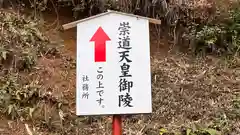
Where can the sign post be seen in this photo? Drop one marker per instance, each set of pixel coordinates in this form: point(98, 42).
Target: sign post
point(113, 66)
point(117, 125)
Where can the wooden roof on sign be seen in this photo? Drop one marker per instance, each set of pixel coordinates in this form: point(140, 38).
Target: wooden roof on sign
point(74, 24)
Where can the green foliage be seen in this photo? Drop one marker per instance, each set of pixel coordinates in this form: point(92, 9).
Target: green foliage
point(203, 131)
point(235, 111)
point(236, 103)
point(209, 30)
point(17, 100)
point(222, 38)
point(192, 131)
point(21, 44)
point(163, 131)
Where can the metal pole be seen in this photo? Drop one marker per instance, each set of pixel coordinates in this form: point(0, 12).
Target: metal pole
point(117, 125)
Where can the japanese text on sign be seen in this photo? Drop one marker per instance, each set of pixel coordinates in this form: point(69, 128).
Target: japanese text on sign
point(85, 87)
point(125, 83)
point(100, 87)
point(113, 55)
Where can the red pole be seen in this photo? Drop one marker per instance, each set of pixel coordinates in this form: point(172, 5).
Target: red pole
point(117, 125)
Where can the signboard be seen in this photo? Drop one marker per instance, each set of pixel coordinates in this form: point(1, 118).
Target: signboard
point(113, 65)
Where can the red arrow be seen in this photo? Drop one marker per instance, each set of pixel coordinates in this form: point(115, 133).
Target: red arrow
point(100, 38)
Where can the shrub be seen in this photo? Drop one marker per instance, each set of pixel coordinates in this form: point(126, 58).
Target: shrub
point(220, 37)
point(21, 44)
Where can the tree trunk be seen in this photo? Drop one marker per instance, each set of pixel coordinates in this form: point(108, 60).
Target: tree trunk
point(102, 5)
point(1, 3)
point(146, 6)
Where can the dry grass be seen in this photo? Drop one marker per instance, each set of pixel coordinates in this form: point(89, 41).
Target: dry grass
point(187, 92)
point(191, 90)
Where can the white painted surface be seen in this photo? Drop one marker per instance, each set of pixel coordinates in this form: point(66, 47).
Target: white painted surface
point(139, 68)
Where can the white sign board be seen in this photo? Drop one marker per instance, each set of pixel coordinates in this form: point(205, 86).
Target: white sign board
point(113, 65)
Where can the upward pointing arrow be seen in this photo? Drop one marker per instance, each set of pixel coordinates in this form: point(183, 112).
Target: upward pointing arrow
point(100, 38)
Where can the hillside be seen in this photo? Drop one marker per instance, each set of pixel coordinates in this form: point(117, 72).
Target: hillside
point(192, 94)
